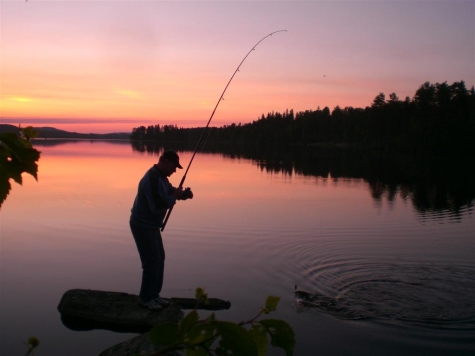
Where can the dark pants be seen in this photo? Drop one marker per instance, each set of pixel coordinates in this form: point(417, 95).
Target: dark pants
point(152, 255)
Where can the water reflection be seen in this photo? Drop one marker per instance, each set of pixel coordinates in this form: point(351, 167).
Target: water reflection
point(381, 266)
point(441, 189)
point(438, 188)
point(58, 142)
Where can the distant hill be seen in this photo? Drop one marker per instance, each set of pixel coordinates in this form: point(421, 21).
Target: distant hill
point(51, 132)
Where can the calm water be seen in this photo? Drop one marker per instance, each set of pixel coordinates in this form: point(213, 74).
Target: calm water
point(396, 259)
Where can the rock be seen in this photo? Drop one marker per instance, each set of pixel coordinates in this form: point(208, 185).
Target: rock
point(85, 309)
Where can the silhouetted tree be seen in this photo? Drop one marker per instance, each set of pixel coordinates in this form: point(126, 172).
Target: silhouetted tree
point(439, 119)
point(379, 101)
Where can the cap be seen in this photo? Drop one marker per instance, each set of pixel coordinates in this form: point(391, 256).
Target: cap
point(172, 156)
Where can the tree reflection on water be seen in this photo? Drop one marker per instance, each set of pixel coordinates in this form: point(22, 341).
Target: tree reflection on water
point(433, 184)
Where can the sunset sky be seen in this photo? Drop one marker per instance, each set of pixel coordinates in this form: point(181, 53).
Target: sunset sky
point(109, 66)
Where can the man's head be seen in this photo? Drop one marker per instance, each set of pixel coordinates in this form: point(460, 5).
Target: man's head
point(169, 162)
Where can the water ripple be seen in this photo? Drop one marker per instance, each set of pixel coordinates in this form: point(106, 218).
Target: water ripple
point(350, 285)
point(425, 295)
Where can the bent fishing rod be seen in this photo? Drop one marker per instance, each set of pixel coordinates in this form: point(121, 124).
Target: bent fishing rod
point(211, 117)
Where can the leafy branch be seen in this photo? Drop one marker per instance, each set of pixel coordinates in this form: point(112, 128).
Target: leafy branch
point(213, 337)
point(16, 157)
point(31, 344)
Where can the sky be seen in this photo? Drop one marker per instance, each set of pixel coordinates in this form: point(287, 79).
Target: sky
point(109, 66)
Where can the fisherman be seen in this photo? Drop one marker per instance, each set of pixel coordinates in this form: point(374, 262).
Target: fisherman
point(154, 197)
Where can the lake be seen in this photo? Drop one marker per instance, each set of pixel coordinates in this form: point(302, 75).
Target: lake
point(390, 241)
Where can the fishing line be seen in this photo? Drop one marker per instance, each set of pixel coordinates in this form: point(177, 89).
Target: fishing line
point(212, 114)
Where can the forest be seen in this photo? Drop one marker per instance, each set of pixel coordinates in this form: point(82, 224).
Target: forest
point(439, 119)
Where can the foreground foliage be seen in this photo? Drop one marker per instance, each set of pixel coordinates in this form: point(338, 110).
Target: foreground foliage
point(16, 157)
point(31, 344)
point(213, 337)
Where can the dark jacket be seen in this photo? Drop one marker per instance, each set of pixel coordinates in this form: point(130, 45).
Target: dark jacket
point(154, 198)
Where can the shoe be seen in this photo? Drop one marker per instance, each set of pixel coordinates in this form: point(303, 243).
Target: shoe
point(151, 304)
point(162, 302)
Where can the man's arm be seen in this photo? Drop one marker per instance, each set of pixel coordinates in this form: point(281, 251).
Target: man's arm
point(159, 193)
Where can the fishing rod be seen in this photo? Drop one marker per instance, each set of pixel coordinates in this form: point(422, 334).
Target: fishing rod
point(212, 114)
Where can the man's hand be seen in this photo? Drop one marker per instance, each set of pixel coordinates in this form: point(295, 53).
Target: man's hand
point(181, 194)
point(187, 194)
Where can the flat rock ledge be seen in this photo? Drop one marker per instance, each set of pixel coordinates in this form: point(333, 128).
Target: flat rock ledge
point(85, 309)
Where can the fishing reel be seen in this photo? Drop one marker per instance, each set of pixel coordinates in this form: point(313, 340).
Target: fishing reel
point(187, 194)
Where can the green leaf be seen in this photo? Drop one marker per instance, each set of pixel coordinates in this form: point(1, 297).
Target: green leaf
point(18, 148)
point(5, 185)
point(196, 351)
point(200, 338)
point(4, 151)
point(13, 151)
point(14, 144)
point(201, 296)
point(188, 321)
point(271, 303)
point(281, 334)
point(259, 334)
point(164, 334)
point(33, 342)
point(199, 292)
point(235, 340)
point(16, 157)
point(212, 317)
point(14, 170)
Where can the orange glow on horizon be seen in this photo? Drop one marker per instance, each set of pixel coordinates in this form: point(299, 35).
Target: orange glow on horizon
point(122, 65)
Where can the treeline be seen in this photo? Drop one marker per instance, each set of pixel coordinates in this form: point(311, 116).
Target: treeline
point(438, 119)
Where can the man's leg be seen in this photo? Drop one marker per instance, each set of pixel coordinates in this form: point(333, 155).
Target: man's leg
point(152, 255)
